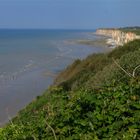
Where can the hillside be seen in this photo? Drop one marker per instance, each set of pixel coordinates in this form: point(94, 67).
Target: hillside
point(92, 99)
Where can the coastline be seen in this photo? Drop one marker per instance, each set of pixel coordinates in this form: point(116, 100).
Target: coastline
point(21, 90)
point(85, 88)
point(116, 36)
point(100, 41)
point(104, 41)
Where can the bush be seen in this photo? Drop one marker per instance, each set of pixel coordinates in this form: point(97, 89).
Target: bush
point(93, 99)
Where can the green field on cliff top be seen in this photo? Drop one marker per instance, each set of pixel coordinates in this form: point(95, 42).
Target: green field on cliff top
point(92, 99)
point(135, 30)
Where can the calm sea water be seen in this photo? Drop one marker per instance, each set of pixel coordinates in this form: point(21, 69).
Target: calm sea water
point(29, 59)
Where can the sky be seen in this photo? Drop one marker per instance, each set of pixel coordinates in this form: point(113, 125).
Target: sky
point(69, 14)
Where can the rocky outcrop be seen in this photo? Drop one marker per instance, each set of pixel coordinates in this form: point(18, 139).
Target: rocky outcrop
point(117, 37)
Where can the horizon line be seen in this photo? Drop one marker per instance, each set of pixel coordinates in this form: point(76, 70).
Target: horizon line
point(47, 29)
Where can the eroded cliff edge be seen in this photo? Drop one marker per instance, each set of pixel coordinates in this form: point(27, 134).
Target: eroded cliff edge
point(117, 37)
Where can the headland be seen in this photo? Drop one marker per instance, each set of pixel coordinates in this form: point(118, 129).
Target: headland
point(117, 37)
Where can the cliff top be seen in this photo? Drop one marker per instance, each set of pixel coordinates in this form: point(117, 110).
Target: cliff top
point(135, 29)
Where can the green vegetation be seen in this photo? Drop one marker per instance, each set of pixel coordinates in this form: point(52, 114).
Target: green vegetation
point(95, 98)
point(135, 30)
point(98, 69)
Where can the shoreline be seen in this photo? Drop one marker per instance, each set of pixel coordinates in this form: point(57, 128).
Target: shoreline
point(103, 41)
point(107, 42)
point(17, 95)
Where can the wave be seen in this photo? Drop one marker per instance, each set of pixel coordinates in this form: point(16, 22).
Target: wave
point(6, 76)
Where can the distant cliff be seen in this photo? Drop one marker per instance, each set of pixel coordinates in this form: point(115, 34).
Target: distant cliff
point(117, 37)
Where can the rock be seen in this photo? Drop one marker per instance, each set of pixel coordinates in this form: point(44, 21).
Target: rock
point(117, 37)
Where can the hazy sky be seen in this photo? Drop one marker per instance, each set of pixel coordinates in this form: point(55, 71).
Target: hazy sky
point(70, 14)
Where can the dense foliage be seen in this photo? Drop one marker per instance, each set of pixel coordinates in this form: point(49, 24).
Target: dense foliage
point(100, 69)
point(95, 98)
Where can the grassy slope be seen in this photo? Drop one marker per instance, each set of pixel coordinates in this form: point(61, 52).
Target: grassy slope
point(91, 99)
point(81, 72)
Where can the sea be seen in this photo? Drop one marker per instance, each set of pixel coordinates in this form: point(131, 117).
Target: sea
point(30, 59)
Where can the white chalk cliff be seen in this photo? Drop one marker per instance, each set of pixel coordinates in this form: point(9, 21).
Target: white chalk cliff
point(117, 37)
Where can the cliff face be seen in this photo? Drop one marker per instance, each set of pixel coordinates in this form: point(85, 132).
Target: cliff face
point(118, 37)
